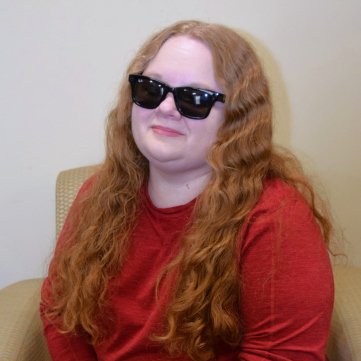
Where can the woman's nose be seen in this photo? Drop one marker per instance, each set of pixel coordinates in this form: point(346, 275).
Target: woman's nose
point(168, 108)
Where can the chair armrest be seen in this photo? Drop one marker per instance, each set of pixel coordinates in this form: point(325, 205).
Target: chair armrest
point(21, 329)
point(344, 343)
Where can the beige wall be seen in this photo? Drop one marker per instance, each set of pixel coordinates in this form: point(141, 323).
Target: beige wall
point(60, 65)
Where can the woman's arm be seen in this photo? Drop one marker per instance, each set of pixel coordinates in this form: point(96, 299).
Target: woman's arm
point(287, 299)
point(64, 347)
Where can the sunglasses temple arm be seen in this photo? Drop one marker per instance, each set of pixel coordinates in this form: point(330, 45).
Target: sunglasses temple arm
point(221, 98)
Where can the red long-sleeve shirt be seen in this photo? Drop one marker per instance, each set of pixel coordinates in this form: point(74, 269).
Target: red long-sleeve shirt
point(287, 297)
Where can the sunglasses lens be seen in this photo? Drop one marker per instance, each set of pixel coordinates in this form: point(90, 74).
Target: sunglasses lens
point(147, 93)
point(193, 102)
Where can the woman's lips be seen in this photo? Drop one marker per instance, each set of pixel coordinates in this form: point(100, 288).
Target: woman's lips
point(168, 132)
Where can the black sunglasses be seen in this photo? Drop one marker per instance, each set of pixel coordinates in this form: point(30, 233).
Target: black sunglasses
point(191, 102)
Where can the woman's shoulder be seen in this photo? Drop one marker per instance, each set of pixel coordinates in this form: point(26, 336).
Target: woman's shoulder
point(276, 189)
point(87, 185)
point(84, 189)
point(276, 195)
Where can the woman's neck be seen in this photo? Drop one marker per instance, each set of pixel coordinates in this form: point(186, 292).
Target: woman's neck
point(171, 190)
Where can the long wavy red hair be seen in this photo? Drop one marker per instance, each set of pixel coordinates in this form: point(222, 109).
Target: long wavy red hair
point(205, 299)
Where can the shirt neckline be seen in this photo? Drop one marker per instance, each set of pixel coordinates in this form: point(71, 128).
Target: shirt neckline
point(177, 210)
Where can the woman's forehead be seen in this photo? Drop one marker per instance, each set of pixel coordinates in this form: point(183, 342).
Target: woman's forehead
point(184, 61)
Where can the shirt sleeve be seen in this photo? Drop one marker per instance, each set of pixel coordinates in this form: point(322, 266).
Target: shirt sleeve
point(64, 347)
point(287, 293)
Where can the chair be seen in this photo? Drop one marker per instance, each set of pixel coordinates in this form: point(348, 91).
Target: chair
point(21, 336)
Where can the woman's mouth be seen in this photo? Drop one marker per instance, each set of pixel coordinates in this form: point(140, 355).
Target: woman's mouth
point(168, 132)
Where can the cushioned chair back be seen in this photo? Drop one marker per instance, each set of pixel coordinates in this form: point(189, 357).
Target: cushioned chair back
point(68, 184)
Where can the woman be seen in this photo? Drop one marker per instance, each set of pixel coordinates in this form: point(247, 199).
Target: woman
point(196, 239)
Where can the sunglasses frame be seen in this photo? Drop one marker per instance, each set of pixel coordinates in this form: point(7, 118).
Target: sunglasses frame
point(215, 96)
